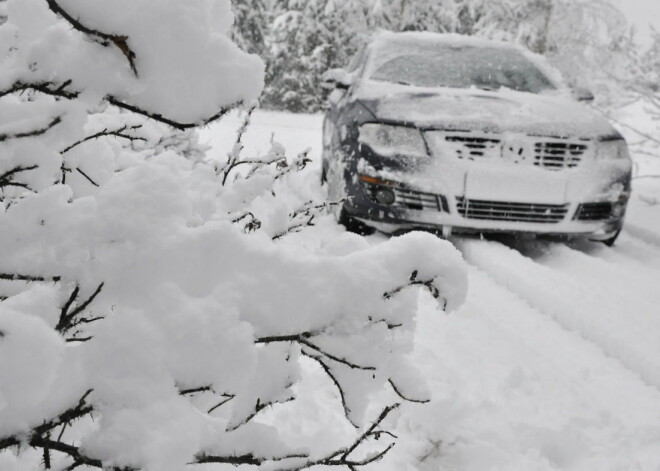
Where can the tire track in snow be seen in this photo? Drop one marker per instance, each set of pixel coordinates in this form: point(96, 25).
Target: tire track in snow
point(634, 248)
point(642, 233)
point(508, 381)
point(615, 315)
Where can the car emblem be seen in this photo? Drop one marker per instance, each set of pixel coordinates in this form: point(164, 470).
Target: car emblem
point(515, 150)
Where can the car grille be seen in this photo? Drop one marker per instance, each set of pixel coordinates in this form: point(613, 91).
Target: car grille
point(410, 199)
point(472, 146)
point(515, 212)
point(547, 153)
point(594, 211)
point(557, 155)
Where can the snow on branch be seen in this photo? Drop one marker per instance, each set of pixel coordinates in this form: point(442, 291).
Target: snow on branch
point(70, 314)
point(47, 88)
point(298, 462)
point(33, 132)
point(428, 284)
point(119, 132)
point(171, 122)
point(23, 277)
point(303, 340)
point(105, 39)
point(39, 436)
point(7, 178)
point(305, 215)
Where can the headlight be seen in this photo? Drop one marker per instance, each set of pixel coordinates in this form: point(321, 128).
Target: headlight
point(391, 141)
point(612, 150)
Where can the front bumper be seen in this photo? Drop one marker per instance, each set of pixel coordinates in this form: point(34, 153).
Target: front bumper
point(594, 218)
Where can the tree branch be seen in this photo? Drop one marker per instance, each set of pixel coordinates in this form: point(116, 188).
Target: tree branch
point(402, 396)
point(105, 39)
point(307, 212)
point(333, 378)
point(160, 118)
point(238, 460)
point(105, 132)
point(47, 88)
point(340, 457)
point(414, 281)
point(87, 177)
point(69, 320)
point(303, 339)
point(36, 132)
point(7, 178)
point(19, 277)
point(252, 223)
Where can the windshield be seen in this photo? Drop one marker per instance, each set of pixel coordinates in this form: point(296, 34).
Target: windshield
point(462, 67)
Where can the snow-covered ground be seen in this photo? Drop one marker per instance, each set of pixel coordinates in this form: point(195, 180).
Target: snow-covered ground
point(553, 363)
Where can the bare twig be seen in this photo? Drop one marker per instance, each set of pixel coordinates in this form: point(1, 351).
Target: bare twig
point(33, 133)
point(402, 396)
point(307, 213)
point(21, 277)
point(227, 398)
point(87, 177)
point(120, 132)
point(69, 318)
point(47, 88)
point(341, 457)
point(200, 389)
point(258, 407)
point(297, 165)
point(252, 223)
point(318, 359)
point(238, 460)
point(162, 119)
point(303, 339)
point(256, 163)
point(414, 281)
point(7, 178)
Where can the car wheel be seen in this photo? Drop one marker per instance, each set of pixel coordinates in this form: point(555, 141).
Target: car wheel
point(610, 242)
point(324, 175)
point(354, 225)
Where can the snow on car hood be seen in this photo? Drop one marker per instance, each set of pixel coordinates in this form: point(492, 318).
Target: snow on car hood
point(498, 111)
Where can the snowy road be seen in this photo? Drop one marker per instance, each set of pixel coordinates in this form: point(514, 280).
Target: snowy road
point(553, 363)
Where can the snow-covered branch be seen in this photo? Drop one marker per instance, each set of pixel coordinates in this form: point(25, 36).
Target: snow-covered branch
point(32, 132)
point(120, 41)
point(128, 296)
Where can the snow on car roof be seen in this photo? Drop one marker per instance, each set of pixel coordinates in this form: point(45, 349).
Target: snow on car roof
point(385, 45)
point(384, 38)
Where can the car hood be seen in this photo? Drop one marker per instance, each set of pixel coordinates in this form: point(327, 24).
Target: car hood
point(473, 109)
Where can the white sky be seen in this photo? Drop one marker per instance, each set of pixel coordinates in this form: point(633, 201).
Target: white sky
point(642, 13)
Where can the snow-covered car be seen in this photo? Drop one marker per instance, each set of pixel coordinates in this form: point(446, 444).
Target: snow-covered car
point(459, 134)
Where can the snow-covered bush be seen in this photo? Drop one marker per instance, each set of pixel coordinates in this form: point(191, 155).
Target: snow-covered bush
point(140, 326)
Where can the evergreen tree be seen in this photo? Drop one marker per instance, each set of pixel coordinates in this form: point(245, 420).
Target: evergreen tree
point(586, 39)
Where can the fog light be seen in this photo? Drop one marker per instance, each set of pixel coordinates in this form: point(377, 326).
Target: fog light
point(384, 196)
point(618, 210)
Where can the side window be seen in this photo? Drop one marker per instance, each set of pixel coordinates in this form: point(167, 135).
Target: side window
point(356, 61)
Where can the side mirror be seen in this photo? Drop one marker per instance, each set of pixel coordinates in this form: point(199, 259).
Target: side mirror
point(582, 94)
point(336, 78)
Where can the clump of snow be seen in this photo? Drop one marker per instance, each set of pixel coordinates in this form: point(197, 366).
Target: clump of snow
point(185, 70)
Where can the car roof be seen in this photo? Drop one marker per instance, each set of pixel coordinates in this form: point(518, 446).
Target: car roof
point(388, 44)
point(389, 39)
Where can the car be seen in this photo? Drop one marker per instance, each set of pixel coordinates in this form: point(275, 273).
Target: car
point(458, 134)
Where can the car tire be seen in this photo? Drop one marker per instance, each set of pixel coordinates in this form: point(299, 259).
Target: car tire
point(324, 175)
point(354, 225)
point(610, 242)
